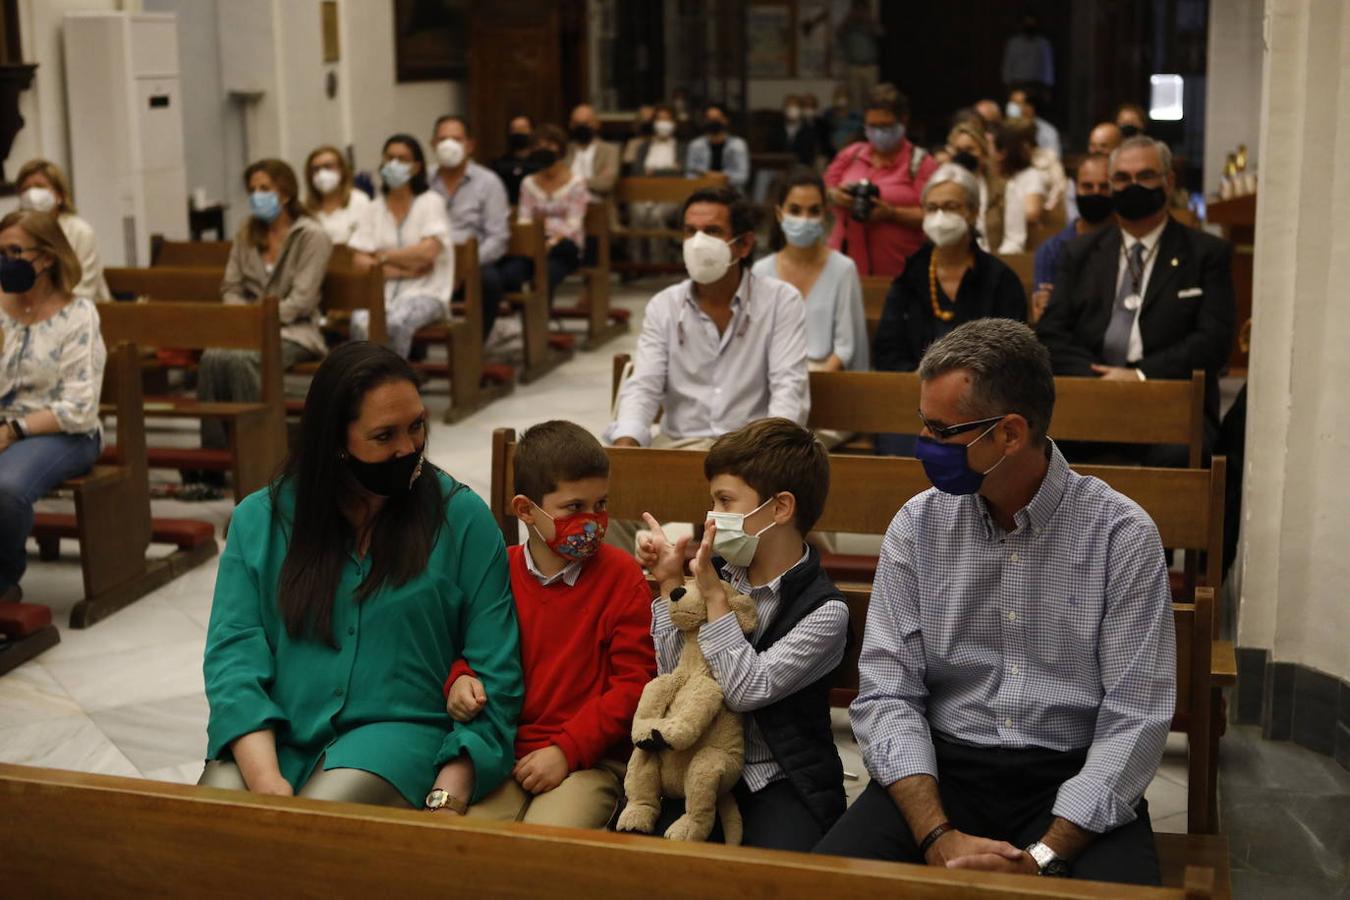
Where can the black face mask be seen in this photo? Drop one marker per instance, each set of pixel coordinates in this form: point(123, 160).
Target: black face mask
point(1094, 208)
point(967, 160)
point(543, 158)
point(517, 141)
point(1129, 131)
point(715, 127)
point(582, 134)
point(390, 477)
point(1138, 202)
point(16, 275)
point(646, 129)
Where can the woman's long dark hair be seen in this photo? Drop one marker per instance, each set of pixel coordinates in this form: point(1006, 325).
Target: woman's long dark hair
point(419, 181)
point(799, 176)
point(320, 537)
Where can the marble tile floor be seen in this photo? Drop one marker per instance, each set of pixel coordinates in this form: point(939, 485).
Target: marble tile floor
point(125, 697)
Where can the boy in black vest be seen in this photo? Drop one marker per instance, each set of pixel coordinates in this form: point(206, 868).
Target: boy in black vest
point(768, 483)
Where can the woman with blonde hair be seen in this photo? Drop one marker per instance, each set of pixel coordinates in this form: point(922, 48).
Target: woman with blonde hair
point(329, 195)
point(42, 187)
point(968, 147)
point(281, 252)
point(51, 376)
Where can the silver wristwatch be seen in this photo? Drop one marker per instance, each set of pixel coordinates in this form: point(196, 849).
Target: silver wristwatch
point(1048, 862)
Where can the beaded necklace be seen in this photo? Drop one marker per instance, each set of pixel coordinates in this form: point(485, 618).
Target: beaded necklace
point(944, 315)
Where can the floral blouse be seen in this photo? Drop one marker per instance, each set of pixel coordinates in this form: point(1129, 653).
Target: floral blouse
point(55, 364)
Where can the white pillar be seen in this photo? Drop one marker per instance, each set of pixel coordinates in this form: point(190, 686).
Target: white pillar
point(1296, 506)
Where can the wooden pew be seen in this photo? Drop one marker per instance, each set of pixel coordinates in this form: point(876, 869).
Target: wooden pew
point(1024, 266)
point(183, 283)
point(543, 352)
point(865, 494)
point(668, 189)
point(603, 323)
point(187, 840)
point(1086, 409)
point(112, 510)
point(473, 385)
point(874, 288)
point(257, 431)
point(189, 254)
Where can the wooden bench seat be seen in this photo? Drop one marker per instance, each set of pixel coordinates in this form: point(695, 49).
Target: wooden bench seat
point(112, 520)
point(133, 837)
point(257, 431)
point(544, 351)
point(603, 323)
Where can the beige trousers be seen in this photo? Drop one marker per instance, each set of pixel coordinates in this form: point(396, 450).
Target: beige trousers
point(586, 799)
point(344, 785)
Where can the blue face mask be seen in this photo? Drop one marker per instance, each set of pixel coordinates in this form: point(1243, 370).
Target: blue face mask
point(885, 140)
point(801, 231)
point(947, 467)
point(264, 205)
point(396, 173)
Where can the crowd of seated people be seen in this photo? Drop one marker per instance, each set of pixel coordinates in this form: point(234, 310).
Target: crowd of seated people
point(468, 678)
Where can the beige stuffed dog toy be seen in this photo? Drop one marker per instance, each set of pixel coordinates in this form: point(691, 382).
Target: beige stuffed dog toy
point(686, 742)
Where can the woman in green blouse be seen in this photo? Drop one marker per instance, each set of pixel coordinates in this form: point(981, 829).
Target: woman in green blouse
point(346, 591)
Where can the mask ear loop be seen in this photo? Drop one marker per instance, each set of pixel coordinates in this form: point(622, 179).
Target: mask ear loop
point(976, 441)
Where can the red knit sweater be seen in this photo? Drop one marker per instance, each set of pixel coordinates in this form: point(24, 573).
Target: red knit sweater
point(586, 651)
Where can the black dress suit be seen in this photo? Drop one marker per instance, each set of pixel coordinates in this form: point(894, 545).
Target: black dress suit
point(1186, 319)
point(803, 144)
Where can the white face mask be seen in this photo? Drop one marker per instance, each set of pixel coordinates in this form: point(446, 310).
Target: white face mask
point(706, 257)
point(664, 128)
point(945, 228)
point(325, 181)
point(1013, 110)
point(38, 198)
point(792, 113)
point(450, 153)
point(731, 542)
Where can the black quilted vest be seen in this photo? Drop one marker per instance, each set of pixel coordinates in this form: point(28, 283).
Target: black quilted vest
point(797, 728)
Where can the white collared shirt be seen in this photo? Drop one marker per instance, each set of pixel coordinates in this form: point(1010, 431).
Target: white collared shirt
point(712, 382)
point(1135, 351)
point(569, 574)
point(583, 159)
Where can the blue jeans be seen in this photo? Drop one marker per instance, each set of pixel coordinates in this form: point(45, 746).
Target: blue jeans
point(29, 469)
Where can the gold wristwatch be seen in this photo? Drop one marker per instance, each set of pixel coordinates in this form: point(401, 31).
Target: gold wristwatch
point(439, 798)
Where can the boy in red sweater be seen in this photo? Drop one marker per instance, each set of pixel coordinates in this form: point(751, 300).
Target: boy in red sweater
point(585, 639)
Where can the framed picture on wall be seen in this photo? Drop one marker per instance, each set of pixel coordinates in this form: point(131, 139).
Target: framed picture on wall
point(770, 39)
point(814, 39)
point(431, 39)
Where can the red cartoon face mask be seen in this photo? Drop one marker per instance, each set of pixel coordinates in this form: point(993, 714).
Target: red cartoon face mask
point(576, 537)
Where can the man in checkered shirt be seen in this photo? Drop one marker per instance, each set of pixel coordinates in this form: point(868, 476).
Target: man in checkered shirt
point(1018, 672)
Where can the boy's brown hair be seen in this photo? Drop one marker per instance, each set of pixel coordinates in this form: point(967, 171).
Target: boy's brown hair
point(553, 452)
point(772, 456)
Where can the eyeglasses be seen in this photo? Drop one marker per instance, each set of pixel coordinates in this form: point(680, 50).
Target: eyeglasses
point(951, 206)
point(1147, 178)
point(946, 432)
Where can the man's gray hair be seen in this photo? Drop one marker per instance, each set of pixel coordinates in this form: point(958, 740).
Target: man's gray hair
point(951, 173)
point(1009, 371)
point(1146, 142)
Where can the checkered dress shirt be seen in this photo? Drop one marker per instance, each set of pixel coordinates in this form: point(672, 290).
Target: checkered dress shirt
point(1058, 634)
point(752, 680)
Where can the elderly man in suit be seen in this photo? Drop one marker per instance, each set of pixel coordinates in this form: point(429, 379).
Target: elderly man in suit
point(1150, 298)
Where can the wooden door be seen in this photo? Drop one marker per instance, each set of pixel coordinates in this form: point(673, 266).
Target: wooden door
point(514, 68)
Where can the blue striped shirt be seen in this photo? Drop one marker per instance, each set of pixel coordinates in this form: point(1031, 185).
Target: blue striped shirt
point(751, 680)
point(1058, 634)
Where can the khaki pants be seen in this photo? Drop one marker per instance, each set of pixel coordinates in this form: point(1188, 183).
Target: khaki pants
point(622, 533)
point(586, 799)
point(344, 785)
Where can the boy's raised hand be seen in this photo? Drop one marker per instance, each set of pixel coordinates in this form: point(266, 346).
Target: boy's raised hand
point(466, 698)
point(709, 583)
point(659, 556)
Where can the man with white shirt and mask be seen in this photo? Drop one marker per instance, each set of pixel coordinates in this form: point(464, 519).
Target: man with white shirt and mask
point(718, 350)
point(1148, 299)
point(476, 203)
